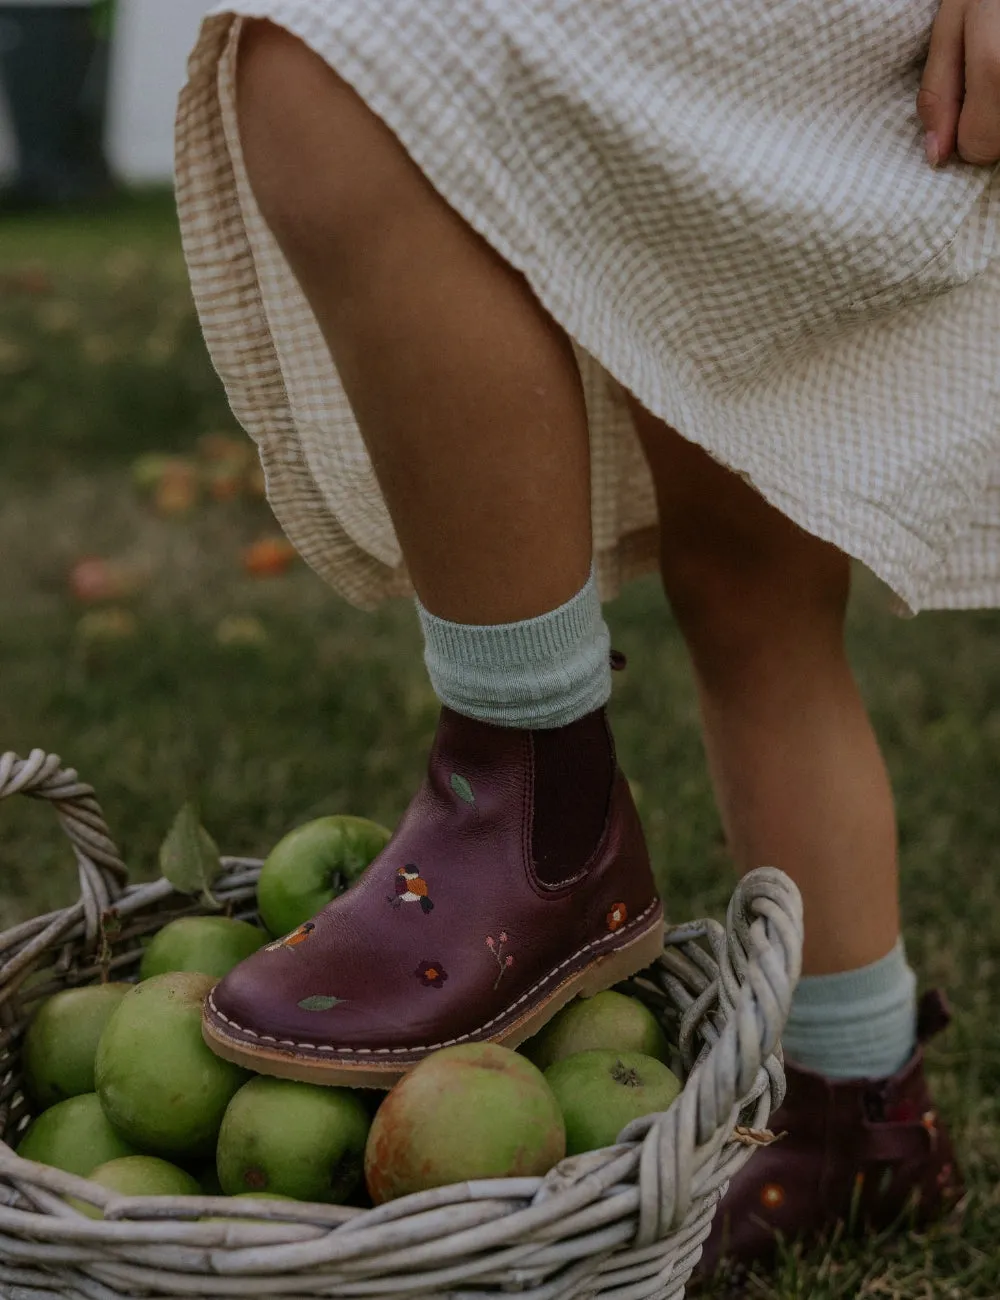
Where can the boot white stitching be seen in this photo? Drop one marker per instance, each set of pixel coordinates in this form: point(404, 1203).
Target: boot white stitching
point(400, 1051)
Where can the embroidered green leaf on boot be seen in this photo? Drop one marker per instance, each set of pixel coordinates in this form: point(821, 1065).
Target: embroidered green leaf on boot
point(462, 788)
point(319, 1002)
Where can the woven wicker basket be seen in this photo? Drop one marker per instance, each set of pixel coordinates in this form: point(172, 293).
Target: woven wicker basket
point(624, 1222)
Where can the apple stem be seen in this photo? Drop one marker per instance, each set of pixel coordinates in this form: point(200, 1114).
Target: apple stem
point(624, 1074)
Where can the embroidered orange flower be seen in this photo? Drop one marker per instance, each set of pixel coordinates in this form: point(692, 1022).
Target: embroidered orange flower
point(617, 916)
point(431, 974)
point(772, 1196)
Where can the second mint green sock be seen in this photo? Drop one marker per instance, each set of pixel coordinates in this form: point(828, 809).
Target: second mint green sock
point(857, 1024)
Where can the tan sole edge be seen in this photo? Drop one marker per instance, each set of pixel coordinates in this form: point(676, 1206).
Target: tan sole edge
point(601, 974)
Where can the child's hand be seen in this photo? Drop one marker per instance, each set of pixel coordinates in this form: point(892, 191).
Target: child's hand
point(959, 98)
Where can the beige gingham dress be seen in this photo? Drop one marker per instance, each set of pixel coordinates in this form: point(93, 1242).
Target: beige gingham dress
point(727, 207)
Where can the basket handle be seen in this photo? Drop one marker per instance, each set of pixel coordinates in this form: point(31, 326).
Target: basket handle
point(103, 874)
point(759, 959)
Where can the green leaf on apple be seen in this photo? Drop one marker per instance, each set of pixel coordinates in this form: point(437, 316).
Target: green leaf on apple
point(189, 857)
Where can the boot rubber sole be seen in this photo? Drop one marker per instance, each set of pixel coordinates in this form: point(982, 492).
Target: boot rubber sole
point(363, 1072)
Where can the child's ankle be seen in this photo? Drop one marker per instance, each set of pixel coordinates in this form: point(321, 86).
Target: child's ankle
point(859, 1024)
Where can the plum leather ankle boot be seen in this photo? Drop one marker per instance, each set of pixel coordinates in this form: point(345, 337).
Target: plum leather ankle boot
point(860, 1151)
point(517, 878)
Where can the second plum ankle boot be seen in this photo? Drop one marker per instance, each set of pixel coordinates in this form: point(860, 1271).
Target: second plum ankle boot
point(857, 1151)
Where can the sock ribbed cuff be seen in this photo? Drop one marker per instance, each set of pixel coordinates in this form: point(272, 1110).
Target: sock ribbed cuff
point(858, 1024)
point(537, 673)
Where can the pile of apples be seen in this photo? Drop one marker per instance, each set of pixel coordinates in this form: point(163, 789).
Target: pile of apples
point(127, 1093)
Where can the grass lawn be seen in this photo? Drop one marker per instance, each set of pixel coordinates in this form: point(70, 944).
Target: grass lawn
point(100, 361)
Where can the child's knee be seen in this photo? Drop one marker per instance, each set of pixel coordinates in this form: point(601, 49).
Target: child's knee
point(320, 163)
point(743, 595)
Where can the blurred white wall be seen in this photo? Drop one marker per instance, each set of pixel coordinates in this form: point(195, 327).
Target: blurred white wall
point(151, 44)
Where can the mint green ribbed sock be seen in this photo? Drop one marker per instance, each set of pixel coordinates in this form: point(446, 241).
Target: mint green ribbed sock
point(538, 673)
point(857, 1024)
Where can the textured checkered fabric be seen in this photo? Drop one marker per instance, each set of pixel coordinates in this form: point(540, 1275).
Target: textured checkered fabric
point(727, 208)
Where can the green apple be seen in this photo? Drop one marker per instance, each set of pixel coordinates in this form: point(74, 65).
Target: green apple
point(159, 1084)
point(139, 1176)
point(607, 1020)
point(210, 945)
point(473, 1111)
point(74, 1135)
point(312, 865)
point(61, 1043)
point(264, 1196)
point(299, 1139)
point(599, 1092)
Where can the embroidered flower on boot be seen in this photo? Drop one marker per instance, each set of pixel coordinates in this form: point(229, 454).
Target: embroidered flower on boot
point(772, 1196)
point(431, 974)
point(504, 962)
point(617, 916)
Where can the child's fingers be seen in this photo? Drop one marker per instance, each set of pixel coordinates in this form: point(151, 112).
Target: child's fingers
point(979, 124)
point(942, 87)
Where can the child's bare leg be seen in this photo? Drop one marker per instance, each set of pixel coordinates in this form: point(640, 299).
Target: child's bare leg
point(799, 777)
point(467, 393)
point(801, 784)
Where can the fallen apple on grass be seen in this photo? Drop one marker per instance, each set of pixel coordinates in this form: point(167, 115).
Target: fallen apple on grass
point(225, 481)
point(240, 630)
point(108, 624)
point(268, 557)
point(226, 448)
point(95, 580)
point(178, 489)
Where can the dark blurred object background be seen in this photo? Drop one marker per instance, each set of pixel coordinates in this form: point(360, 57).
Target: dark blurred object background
point(54, 63)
